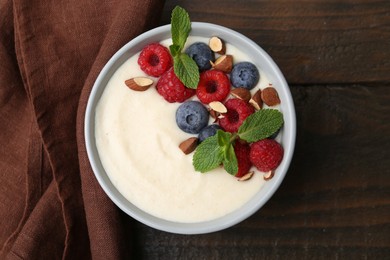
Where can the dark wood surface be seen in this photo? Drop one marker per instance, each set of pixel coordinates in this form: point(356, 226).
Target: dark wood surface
point(335, 200)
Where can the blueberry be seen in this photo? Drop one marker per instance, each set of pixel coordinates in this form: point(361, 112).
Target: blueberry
point(244, 74)
point(202, 54)
point(208, 131)
point(191, 117)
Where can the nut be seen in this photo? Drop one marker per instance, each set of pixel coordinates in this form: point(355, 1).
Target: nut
point(241, 93)
point(246, 176)
point(139, 83)
point(217, 45)
point(218, 107)
point(270, 96)
point(214, 114)
point(256, 101)
point(189, 145)
point(223, 63)
point(267, 176)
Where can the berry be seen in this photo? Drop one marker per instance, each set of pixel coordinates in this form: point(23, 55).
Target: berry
point(237, 111)
point(192, 116)
point(208, 131)
point(155, 59)
point(245, 75)
point(213, 85)
point(242, 153)
point(202, 54)
point(266, 154)
point(171, 88)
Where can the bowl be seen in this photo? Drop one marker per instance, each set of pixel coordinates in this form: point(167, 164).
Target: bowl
point(263, 60)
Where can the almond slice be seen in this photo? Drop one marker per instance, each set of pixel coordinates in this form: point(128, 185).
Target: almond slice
point(241, 93)
point(139, 83)
point(189, 145)
point(256, 100)
point(214, 114)
point(223, 63)
point(246, 176)
point(270, 96)
point(217, 45)
point(218, 107)
point(267, 176)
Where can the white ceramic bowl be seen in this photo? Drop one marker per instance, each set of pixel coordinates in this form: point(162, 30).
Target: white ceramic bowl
point(262, 60)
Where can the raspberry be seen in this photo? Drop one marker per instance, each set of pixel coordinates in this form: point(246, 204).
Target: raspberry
point(171, 88)
point(213, 85)
point(266, 154)
point(237, 111)
point(155, 59)
point(242, 153)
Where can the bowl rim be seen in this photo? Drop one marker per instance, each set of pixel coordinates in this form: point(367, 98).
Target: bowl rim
point(218, 224)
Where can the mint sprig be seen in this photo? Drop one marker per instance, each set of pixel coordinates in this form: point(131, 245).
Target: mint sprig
point(180, 26)
point(189, 74)
point(214, 151)
point(209, 149)
point(218, 149)
point(184, 67)
point(230, 162)
point(229, 159)
point(260, 125)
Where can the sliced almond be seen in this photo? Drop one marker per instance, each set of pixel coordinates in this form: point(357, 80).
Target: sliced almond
point(246, 176)
point(218, 107)
point(223, 63)
point(241, 93)
point(267, 176)
point(189, 145)
point(214, 114)
point(217, 45)
point(270, 96)
point(139, 83)
point(256, 101)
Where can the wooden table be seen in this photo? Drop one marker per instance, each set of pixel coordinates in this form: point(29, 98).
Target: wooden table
point(335, 200)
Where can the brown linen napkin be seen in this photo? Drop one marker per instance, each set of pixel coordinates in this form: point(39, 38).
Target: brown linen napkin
point(51, 206)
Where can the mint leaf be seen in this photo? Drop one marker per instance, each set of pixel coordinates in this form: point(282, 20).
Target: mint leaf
point(223, 138)
point(180, 26)
point(260, 125)
point(208, 155)
point(225, 141)
point(230, 162)
point(184, 67)
point(175, 49)
point(214, 151)
point(186, 70)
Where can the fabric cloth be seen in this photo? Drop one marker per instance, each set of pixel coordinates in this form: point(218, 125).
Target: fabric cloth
point(51, 206)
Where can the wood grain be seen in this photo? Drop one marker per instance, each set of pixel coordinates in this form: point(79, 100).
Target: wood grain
point(338, 41)
point(335, 200)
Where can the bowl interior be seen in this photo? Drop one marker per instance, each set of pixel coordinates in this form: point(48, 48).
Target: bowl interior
point(262, 60)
